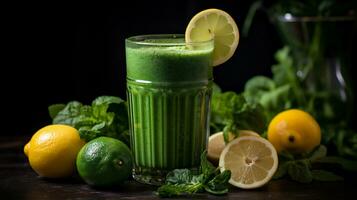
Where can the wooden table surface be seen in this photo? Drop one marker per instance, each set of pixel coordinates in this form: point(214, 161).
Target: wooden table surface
point(18, 181)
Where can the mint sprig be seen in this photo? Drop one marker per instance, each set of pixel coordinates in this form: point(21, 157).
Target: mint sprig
point(181, 182)
point(313, 166)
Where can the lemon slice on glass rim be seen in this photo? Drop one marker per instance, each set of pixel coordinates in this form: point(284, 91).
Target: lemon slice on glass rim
point(252, 160)
point(216, 24)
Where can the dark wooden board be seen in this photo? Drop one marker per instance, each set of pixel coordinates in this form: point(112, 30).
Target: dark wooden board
point(18, 181)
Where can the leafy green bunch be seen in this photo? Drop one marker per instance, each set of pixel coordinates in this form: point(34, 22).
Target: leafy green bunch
point(284, 91)
point(106, 116)
point(228, 114)
point(231, 112)
point(185, 182)
point(316, 165)
point(281, 92)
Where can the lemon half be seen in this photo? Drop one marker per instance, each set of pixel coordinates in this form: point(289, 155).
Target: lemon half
point(252, 161)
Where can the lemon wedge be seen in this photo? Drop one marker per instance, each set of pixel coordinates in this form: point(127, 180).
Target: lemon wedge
point(218, 25)
point(252, 161)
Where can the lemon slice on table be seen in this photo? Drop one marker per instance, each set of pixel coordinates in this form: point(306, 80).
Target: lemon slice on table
point(252, 161)
point(248, 133)
point(216, 143)
point(216, 24)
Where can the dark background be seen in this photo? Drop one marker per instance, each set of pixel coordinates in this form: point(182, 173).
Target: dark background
point(58, 52)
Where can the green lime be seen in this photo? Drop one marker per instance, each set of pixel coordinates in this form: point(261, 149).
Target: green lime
point(104, 161)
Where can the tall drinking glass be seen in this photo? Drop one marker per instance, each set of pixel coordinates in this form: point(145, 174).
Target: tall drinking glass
point(169, 85)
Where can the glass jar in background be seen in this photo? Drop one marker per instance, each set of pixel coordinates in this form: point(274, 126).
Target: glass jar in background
point(321, 49)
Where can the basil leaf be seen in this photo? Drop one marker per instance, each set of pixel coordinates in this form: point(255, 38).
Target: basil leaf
point(322, 175)
point(106, 116)
point(300, 171)
point(68, 114)
point(169, 190)
point(207, 169)
point(54, 109)
point(348, 165)
point(179, 176)
point(232, 112)
point(219, 184)
point(318, 153)
point(185, 182)
point(281, 171)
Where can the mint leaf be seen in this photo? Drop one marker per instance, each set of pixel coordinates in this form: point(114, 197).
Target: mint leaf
point(168, 190)
point(283, 72)
point(286, 156)
point(206, 168)
point(322, 175)
point(250, 117)
point(348, 165)
point(106, 116)
point(256, 87)
point(318, 153)
point(216, 89)
point(281, 171)
point(232, 112)
point(90, 132)
point(219, 184)
point(300, 171)
point(228, 129)
point(69, 114)
point(54, 109)
point(179, 176)
point(185, 182)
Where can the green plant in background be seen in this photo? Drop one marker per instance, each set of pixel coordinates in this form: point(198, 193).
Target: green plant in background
point(310, 67)
point(305, 76)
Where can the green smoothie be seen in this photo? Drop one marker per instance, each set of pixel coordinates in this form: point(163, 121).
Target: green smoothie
point(169, 89)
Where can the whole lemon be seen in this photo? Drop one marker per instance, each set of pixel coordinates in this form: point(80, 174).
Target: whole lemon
point(53, 149)
point(295, 131)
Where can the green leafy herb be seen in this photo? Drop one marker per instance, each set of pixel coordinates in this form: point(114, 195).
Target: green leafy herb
point(312, 166)
point(344, 164)
point(319, 153)
point(231, 112)
point(206, 167)
point(322, 175)
point(301, 78)
point(55, 109)
point(218, 185)
point(300, 171)
point(186, 182)
point(106, 116)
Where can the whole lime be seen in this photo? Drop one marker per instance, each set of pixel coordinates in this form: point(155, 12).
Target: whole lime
point(104, 161)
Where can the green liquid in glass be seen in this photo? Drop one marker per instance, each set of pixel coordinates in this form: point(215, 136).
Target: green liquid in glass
point(169, 89)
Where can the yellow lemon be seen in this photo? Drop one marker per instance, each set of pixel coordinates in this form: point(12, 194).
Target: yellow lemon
point(295, 131)
point(252, 161)
point(53, 149)
point(217, 25)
